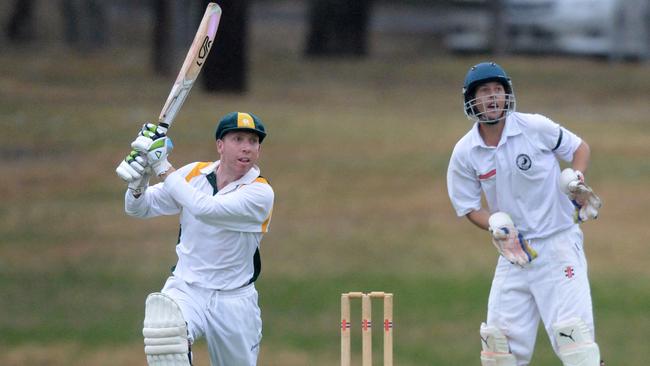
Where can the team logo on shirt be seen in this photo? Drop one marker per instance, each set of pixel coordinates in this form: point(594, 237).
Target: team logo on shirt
point(569, 272)
point(524, 162)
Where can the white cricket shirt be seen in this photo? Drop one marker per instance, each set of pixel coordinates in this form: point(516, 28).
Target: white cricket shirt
point(220, 233)
point(519, 176)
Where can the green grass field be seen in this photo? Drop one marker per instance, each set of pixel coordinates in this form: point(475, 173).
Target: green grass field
point(357, 154)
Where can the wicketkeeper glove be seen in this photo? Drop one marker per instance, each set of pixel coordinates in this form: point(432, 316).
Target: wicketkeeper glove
point(508, 241)
point(586, 202)
point(153, 142)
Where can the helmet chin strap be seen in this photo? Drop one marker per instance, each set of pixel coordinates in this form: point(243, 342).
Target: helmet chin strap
point(494, 121)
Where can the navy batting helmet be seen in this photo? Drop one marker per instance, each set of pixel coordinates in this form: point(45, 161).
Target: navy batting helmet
point(480, 74)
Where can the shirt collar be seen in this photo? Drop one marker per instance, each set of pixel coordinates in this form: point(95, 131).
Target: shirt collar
point(210, 168)
point(511, 128)
point(248, 178)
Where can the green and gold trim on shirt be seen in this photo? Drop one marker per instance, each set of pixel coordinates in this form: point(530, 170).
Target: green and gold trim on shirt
point(265, 224)
point(196, 170)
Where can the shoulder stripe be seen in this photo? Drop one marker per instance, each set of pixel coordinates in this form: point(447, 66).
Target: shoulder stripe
point(261, 179)
point(196, 170)
point(488, 175)
point(559, 140)
point(265, 224)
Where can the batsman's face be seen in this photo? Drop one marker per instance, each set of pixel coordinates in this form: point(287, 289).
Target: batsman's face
point(239, 151)
point(490, 100)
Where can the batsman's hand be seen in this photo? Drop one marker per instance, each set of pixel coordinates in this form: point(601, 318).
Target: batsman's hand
point(586, 202)
point(132, 168)
point(138, 186)
point(508, 241)
point(153, 142)
point(135, 171)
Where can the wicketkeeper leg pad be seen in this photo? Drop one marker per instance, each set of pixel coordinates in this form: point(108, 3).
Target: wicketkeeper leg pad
point(165, 332)
point(575, 343)
point(496, 351)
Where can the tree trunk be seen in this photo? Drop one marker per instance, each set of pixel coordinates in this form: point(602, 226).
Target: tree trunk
point(174, 27)
point(338, 28)
point(226, 67)
point(20, 27)
point(85, 24)
point(499, 36)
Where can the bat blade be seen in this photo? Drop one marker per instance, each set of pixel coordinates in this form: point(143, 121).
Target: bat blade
point(192, 65)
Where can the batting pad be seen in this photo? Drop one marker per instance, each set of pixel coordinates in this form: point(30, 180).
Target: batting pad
point(496, 351)
point(575, 343)
point(165, 332)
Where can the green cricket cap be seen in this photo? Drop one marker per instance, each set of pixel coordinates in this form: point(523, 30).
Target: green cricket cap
point(240, 121)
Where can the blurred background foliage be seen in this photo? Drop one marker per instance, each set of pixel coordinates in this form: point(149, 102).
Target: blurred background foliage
point(357, 154)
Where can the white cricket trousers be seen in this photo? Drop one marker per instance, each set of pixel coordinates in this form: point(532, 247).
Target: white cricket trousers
point(230, 320)
point(553, 287)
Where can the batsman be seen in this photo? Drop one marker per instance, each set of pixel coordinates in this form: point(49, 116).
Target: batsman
point(224, 208)
point(510, 161)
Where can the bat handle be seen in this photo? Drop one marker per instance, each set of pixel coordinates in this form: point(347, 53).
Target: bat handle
point(163, 126)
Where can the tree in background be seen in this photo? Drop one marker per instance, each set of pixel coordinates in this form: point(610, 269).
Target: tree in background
point(175, 24)
point(226, 68)
point(85, 24)
point(173, 31)
point(499, 37)
point(20, 26)
point(338, 28)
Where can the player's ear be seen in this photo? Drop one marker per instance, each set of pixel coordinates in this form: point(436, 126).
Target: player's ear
point(219, 144)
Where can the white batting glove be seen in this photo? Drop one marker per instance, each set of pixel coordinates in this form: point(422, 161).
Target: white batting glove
point(587, 203)
point(508, 241)
point(153, 142)
point(138, 186)
point(132, 167)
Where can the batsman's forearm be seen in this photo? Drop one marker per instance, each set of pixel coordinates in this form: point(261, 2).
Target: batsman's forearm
point(152, 203)
point(479, 218)
point(248, 206)
point(164, 175)
point(581, 157)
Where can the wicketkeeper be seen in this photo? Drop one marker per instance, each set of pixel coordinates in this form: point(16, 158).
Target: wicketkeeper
point(224, 208)
point(532, 214)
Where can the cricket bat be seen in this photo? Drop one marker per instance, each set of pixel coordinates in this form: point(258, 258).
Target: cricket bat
point(192, 65)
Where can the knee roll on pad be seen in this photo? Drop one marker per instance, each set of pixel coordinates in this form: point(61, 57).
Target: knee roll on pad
point(165, 332)
point(575, 343)
point(498, 359)
point(496, 351)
